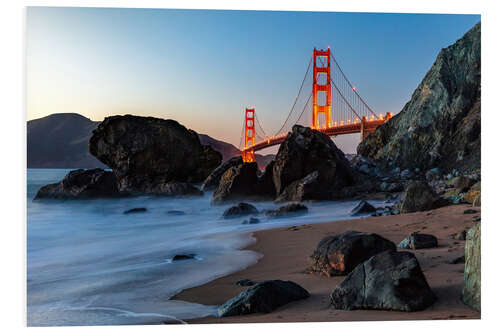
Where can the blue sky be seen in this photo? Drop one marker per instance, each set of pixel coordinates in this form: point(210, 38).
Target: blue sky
point(203, 68)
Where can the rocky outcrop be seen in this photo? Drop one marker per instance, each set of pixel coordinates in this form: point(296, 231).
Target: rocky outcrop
point(471, 292)
point(289, 210)
point(417, 240)
point(419, 196)
point(263, 297)
point(473, 196)
point(145, 153)
point(311, 165)
point(441, 125)
point(238, 182)
point(386, 281)
point(241, 209)
point(82, 184)
point(340, 254)
point(212, 181)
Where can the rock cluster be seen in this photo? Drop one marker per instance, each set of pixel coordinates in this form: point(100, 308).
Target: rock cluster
point(417, 240)
point(441, 124)
point(82, 184)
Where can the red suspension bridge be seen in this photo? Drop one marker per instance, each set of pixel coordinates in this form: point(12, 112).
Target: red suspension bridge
point(334, 104)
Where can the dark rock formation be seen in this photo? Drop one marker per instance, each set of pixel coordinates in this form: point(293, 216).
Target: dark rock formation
point(81, 184)
point(135, 210)
point(263, 297)
point(461, 183)
point(265, 184)
point(145, 153)
point(292, 209)
point(459, 260)
point(176, 212)
point(245, 283)
point(303, 189)
point(471, 211)
point(302, 153)
point(239, 210)
point(340, 254)
point(417, 240)
point(213, 179)
point(188, 256)
point(419, 196)
point(441, 125)
point(362, 207)
point(238, 182)
point(387, 281)
point(471, 292)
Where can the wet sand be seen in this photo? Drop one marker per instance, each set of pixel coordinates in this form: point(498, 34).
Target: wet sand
point(286, 251)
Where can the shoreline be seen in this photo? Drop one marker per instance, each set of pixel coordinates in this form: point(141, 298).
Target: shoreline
point(285, 252)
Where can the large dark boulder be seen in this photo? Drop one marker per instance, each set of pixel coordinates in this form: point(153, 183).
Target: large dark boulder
point(241, 209)
point(417, 241)
point(238, 182)
point(147, 152)
point(213, 179)
point(387, 281)
point(81, 184)
point(471, 292)
point(303, 152)
point(263, 297)
point(419, 196)
point(441, 124)
point(340, 254)
point(362, 208)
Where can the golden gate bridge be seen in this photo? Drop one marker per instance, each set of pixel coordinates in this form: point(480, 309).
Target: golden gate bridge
point(334, 107)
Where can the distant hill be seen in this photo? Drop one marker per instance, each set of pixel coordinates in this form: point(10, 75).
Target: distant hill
point(61, 141)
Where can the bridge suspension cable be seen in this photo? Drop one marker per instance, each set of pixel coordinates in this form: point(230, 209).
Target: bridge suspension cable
point(296, 98)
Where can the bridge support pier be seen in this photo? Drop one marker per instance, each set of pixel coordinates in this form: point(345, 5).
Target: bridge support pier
point(363, 131)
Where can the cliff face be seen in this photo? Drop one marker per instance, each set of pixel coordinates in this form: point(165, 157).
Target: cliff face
point(441, 125)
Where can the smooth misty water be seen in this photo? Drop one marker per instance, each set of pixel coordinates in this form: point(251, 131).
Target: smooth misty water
point(89, 264)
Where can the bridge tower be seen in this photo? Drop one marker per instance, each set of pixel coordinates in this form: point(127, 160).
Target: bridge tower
point(322, 71)
point(248, 155)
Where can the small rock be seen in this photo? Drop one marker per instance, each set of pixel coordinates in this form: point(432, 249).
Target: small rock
point(419, 196)
point(460, 235)
point(245, 283)
point(135, 210)
point(240, 209)
point(292, 209)
point(470, 211)
point(363, 207)
point(175, 212)
point(416, 241)
point(263, 297)
point(183, 257)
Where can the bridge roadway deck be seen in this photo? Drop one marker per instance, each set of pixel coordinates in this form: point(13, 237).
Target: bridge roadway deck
point(370, 126)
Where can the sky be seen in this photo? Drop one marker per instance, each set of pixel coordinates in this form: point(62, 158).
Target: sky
point(203, 67)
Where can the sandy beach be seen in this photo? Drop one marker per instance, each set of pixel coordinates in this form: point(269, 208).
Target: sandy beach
point(285, 256)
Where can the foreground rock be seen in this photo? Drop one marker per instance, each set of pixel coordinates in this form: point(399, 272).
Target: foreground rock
point(362, 208)
point(292, 209)
point(340, 254)
point(263, 297)
point(417, 240)
point(135, 210)
point(82, 184)
point(145, 153)
point(310, 164)
point(471, 292)
point(241, 209)
point(441, 124)
point(419, 196)
point(387, 281)
point(212, 181)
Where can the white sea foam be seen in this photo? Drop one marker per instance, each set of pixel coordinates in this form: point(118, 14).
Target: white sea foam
point(89, 264)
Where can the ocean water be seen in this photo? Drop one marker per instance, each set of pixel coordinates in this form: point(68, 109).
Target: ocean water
point(89, 264)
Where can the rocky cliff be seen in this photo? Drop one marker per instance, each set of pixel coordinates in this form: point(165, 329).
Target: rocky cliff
point(441, 124)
